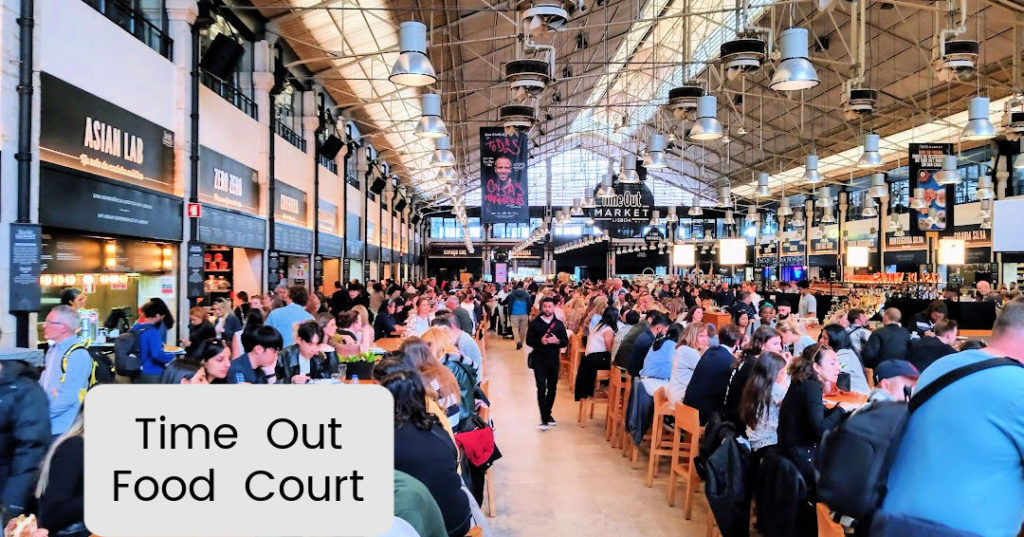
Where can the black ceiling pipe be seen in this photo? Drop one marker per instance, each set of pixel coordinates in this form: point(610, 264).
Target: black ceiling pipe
point(26, 23)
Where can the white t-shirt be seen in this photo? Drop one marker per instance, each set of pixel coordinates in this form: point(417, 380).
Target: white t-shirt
point(595, 341)
point(808, 305)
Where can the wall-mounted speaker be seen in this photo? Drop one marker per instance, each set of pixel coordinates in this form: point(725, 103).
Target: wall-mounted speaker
point(378, 184)
point(415, 218)
point(330, 147)
point(400, 204)
point(222, 57)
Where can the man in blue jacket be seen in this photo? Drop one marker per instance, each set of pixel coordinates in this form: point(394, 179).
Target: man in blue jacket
point(67, 369)
point(151, 347)
point(710, 380)
point(658, 325)
point(519, 312)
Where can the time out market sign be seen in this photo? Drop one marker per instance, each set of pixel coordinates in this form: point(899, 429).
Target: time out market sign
point(624, 207)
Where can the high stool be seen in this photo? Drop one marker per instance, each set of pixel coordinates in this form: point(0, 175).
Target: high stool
point(616, 404)
point(687, 421)
point(602, 374)
point(661, 437)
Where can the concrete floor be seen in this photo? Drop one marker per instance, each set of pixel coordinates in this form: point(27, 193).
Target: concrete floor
point(568, 480)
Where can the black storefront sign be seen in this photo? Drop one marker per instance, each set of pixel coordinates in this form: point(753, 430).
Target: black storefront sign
point(503, 176)
point(905, 241)
point(824, 246)
point(978, 255)
point(372, 252)
point(85, 203)
point(327, 216)
point(451, 250)
point(83, 132)
point(354, 249)
point(227, 182)
point(791, 260)
point(194, 270)
point(71, 254)
point(653, 236)
point(925, 162)
point(291, 239)
point(792, 248)
point(229, 228)
point(275, 272)
point(23, 284)
point(822, 261)
point(330, 245)
point(290, 205)
point(763, 262)
point(906, 257)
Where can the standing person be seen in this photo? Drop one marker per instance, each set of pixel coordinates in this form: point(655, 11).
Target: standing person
point(980, 420)
point(164, 319)
point(294, 312)
point(858, 331)
point(926, 320)
point(339, 299)
point(890, 342)
point(243, 307)
point(598, 355)
point(199, 327)
point(808, 306)
point(61, 487)
point(710, 381)
point(546, 336)
point(68, 367)
point(518, 302)
point(24, 434)
point(925, 351)
point(151, 346)
point(836, 337)
point(225, 321)
point(73, 298)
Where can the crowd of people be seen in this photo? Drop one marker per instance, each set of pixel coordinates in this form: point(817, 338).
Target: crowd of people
point(760, 373)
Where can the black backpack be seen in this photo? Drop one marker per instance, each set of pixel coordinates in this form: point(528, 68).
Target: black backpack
point(127, 354)
point(854, 458)
point(102, 371)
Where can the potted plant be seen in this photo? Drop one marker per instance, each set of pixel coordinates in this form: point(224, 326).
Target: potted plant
point(360, 364)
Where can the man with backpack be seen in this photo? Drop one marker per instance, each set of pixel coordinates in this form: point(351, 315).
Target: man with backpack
point(959, 467)
point(67, 371)
point(519, 312)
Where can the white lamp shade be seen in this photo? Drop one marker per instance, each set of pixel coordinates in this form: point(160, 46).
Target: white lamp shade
point(430, 124)
point(979, 126)
point(949, 175)
point(871, 157)
point(856, 256)
point(811, 174)
point(794, 71)
point(732, 251)
point(684, 255)
point(412, 68)
point(762, 185)
point(952, 251)
point(707, 126)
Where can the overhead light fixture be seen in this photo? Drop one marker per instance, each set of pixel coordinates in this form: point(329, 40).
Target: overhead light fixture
point(871, 158)
point(986, 223)
point(857, 256)
point(447, 175)
point(413, 67)
point(607, 191)
point(985, 190)
point(443, 156)
point(588, 203)
point(949, 174)
point(762, 186)
point(798, 219)
point(869, 210)
point(707, 126)
point(794, 71)
point(752, 213)
point(695, 210)
point(827, 217)
point(879, 189)
point(655, 218)
point(824, 199)
point(811, 174)
point(628, 176)
point(1018, 162)
point(724, 196)
point(918, 202)
point(784, 208)
point(978, 127)
point(577, 208)
point(655, 158)
point(671, 217)
point(729, 220)
point(431, 125)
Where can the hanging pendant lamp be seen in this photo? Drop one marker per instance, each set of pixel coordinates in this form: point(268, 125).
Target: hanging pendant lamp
point(655, 158)
point(784, 208)
point(985, 190)
point(871, 158)
point(979, 126)
point(811, 174)
point(655, 218)
point(869, 210)
point(695, 210)
point(918, 202)
point(879, 189)
point(447, 175)
point(606, 191)
point(707, 126)
point(413, 67)
point(824, 199)
point(762, 186)
point(628, 176)
point(724, 196)
point(430, 124)
point(671, 217)
point(443, 156)
point(794, 71)
point(949, 175)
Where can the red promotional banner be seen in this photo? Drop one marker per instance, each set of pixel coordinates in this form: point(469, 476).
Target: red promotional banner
point(503, 179)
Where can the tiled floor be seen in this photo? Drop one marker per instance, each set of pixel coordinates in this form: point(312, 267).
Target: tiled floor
point(568, 480)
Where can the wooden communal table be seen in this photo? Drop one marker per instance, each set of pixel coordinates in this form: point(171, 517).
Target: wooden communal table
point(719, 319)
point(832, 400)
point(389, 344)
point(975, 333)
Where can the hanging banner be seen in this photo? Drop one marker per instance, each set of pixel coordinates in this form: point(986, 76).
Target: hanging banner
point(503, 177)
point(937, 215)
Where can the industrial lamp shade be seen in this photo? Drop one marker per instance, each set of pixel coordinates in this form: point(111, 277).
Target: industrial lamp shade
point(879, 189)
point(695, 210)
point(655, 158)
point(762, 185)
point(447, 175)
point(655, 217)
point(794, 71)
point(430, 125)
point(824, 200)
point(728, 220)
point(443, 156)
point(871, 157)
point(784, 208)
point(628, 176)
point(985, 191)
point(732, 251)
point(856, 256)
point(978, 127)
point(869, 211)
point(949, 174)
point(952, 251)
point(811, 175)
point(918, 202)
point(724, 196)
point(828, 217)
point(413, 67)
point(606, 191)
point(684, 255)
point(707, 126)
point(672, 217)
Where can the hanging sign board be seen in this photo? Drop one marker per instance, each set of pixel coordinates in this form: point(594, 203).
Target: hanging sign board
point(937, 215)
point(503, 177)
point(227, 182)
point(23, 284)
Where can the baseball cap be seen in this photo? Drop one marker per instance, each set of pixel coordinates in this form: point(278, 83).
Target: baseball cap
point(895, 368)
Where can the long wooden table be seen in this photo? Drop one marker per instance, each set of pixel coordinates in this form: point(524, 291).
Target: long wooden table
point(389, 344)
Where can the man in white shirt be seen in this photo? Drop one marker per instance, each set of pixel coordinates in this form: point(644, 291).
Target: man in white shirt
point(808, 304)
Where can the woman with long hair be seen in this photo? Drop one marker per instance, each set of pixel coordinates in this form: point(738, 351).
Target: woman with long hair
point(762, 397)
point(744, 322)
point(207, 362)
point(692, 344)
point(575, 310)
point(225, 322)
point(461, 367)
point(657, 368)
point(765, 339)
point(362, 329)
point(164, 314)
point(422, 450)
point(794, 340)
point(598, 355)
point(836, 337)
point(252, 321)
point(595, 313)
point(439, 382)
point(61, 485)
point(694, 315)
point(329, 343)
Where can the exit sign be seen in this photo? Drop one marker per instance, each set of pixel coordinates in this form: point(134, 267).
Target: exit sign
point(195, 210)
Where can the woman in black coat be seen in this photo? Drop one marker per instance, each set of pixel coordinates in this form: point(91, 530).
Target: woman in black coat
point(61, 487)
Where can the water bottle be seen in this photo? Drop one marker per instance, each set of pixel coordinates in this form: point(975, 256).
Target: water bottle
point(355, 379)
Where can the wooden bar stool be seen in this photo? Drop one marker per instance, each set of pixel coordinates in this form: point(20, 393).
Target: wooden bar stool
point(620, 438)
point(616, 408)
point(596, 398)
point(575, 357)
point(687, 421)
point(661, 436)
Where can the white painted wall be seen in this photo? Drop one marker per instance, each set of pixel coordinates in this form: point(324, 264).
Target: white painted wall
point(330, 191)
point(229, 131)
point(248, 270)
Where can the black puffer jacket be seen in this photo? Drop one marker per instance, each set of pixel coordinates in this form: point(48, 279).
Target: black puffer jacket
point(322, 366)
point(24, 436)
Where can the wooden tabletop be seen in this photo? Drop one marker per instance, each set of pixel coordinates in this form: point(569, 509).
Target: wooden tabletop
point(975, 333)
point(389, 344)
point(846, 397)
point(718, 319)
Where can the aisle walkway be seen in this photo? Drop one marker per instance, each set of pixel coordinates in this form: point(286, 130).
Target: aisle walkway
point(568, 480)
